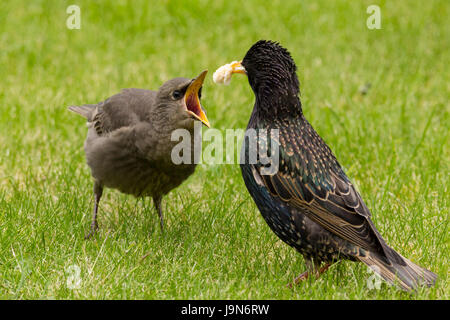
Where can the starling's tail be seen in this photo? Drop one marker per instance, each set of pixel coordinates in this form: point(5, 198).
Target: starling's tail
point(403, 272)
point(85, 110)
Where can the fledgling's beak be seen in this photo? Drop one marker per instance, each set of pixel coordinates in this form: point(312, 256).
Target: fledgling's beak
point(237, 67)
point(192, 100)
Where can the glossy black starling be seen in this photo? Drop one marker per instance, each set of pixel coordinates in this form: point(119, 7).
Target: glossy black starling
point(309, 202)
point(129, 145)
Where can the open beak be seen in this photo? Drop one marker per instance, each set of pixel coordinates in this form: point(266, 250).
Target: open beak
point(192, 101)
point(237, 67)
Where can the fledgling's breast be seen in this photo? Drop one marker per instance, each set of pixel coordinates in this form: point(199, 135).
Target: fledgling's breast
point(140, 178)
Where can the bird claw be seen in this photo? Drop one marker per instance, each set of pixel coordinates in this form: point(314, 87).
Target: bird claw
point(89, 235)
point(93, 230)
point(300, 278)
point(305, 275)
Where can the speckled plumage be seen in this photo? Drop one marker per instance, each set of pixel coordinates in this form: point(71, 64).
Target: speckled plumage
point(310, 203)
point(128, 145)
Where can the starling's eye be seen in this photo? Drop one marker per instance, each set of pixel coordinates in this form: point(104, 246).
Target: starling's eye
point(177, 94)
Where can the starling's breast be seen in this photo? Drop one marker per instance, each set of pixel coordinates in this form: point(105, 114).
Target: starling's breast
point(303, 155)
point(293, 226)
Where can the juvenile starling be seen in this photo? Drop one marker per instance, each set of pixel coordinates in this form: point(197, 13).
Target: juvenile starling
point(128, 145)
point(309, 203)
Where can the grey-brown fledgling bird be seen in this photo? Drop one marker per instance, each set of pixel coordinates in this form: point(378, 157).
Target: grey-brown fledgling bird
point(128, 145)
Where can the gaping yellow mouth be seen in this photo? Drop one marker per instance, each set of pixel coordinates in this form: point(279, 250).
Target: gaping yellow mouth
point(192, 101)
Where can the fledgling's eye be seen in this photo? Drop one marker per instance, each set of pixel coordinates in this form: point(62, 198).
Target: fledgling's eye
point(177, 94)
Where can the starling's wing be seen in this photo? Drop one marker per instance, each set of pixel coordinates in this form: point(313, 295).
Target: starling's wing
point(311, 179)
point(124, 109)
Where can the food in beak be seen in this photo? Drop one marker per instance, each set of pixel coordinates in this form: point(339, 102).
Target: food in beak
point(192, 101)
point(224, 73)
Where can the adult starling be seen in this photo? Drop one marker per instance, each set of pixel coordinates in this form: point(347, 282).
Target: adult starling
point(309, 202)
point(128, 145)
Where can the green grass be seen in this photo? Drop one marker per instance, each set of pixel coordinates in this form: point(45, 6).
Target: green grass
point(393, 143)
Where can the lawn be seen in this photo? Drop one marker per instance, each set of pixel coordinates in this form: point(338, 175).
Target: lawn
point(392, 141)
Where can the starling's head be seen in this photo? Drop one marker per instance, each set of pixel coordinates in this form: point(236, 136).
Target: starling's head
point(270, 69)
point(269, 64)
point(178, 102)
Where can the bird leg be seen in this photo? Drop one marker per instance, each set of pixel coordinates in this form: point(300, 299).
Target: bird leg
point(157, 201)
point(312, 269)
point(98, 191)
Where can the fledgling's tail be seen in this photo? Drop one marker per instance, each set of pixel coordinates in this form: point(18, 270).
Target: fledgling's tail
point(402, 272)
point(86, 110)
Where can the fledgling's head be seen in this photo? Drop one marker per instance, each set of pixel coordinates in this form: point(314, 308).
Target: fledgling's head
point(269, 67)
point(178, 104)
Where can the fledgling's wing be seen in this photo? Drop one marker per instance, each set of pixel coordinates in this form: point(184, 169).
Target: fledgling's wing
point(124, 109)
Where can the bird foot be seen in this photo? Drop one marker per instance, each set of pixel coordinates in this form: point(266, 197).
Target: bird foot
point(92, 231)
point(300, 278)
point(305, 275)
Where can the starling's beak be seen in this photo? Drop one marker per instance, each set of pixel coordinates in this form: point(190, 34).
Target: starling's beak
point(192, 101)
point(237, 67)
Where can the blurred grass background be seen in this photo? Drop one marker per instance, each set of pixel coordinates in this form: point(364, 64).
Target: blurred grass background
point(393, 143)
